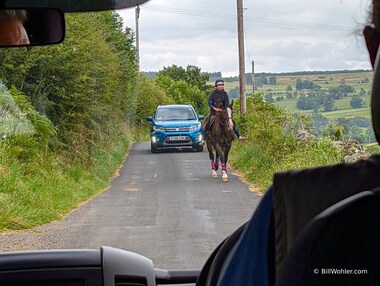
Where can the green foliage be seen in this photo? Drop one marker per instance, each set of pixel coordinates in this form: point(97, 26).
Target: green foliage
point(26, 133)
point(38, 191)
point(234, 93)
point(372, 148)
point(358, 128)
point(313, 153)
point(185, 86)
point(214, 76)
point(306, 84)
point(272, 145)
point(269, 97)
point(83, 85)
point(334, 131)
point(356, 102)
point(148, 96)
point(44, 130)
point(314, 100)
point(12, 120)
point(346, 88)
point(260, 81)
point(328, 104)
point(273, 80)
point(67, 118)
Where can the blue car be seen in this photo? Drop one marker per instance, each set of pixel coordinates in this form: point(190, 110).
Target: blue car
point(175, 126)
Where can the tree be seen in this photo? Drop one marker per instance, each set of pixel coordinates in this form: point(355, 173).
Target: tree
point(261, 80)
point(272, 80)
point(269, 97)
point(214, 76)
point(356, 102)
point(84, 85)
point(149, 96)
point(234, 92)
point(344, 88)
point(289, 95)
point(185, 86)
point(316, 106)
point(329, 104)
point(319, 123)
point(306, 84)
point(335, 92)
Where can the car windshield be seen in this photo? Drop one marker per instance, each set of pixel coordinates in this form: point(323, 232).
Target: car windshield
point(85, 161)
point(167, 114)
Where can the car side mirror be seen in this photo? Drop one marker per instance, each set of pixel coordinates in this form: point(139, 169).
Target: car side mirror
point(201, 117)
point(31, 27)
point(149, 118)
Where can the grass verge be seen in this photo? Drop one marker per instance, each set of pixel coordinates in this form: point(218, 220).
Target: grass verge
point(272, 146)
point(35, 192)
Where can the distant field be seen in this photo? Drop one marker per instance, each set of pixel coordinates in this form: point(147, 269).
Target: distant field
point(358, 80)
point(343, 108)
point(325, 81)
point(354, 79)
point(345, 113)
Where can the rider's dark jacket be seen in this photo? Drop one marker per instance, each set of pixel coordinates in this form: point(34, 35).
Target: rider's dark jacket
point(218, 99)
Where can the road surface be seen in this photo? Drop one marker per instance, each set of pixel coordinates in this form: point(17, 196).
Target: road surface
point(165, 206)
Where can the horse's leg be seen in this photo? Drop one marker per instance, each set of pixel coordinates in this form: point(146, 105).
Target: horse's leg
point(216, 162)
point(227, 151)
point(224, 166)
point(214, 174)
point(214, 168)
point(223, 161)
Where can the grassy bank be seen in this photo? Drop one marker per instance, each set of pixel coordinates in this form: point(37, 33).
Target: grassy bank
point(272, 146)
point(42, 189)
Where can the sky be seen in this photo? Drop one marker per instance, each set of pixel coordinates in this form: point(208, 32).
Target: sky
point(279, 35)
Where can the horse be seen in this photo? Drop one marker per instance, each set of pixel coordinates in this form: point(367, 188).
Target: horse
point(219, 141)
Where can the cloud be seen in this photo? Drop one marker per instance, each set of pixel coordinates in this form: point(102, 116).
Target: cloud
point(280, 36)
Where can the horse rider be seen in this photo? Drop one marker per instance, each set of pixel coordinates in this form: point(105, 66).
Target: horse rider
point(216, 101)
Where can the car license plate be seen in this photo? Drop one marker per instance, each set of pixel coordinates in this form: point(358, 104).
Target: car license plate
point(177, 138)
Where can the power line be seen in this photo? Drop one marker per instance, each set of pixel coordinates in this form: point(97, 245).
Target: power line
point(270, 21)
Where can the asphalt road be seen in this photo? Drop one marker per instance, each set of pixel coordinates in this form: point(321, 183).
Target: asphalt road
point(165, 206)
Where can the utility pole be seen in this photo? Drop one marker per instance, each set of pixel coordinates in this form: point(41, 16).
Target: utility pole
point(137, 37)
point(253, 78)
point(241, 57)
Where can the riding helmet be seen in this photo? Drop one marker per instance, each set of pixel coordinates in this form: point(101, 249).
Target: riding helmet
point(219, 81)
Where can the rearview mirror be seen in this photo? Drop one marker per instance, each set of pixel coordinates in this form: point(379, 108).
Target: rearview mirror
point(31, 27)
point(73, 5)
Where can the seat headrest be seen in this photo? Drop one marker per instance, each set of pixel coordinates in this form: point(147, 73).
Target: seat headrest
point(344, 236)
point(375, 99)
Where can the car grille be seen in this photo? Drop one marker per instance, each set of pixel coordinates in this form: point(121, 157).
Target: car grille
point(177, 129)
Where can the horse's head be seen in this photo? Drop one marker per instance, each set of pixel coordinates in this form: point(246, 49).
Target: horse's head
point(227, 117)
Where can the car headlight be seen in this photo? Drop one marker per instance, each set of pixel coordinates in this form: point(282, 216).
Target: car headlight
point(192, 128)
point(158, 128)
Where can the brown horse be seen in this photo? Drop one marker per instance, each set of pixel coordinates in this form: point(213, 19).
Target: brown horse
point(219, 141)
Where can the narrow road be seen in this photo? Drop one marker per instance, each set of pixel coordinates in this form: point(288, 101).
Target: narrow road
point(165, 206)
